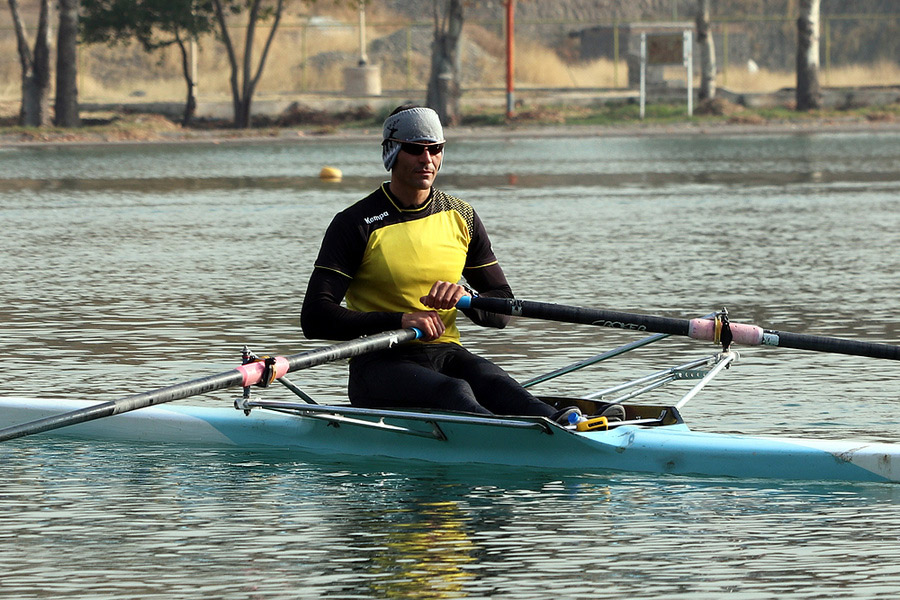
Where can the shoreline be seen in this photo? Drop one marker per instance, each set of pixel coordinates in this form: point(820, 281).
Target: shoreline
point(541, 113)
point(153, 129)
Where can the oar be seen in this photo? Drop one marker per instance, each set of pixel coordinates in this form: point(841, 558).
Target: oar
point(244, 375)
point(698, 329)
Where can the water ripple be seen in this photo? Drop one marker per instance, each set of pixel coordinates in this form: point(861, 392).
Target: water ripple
point(131, 268)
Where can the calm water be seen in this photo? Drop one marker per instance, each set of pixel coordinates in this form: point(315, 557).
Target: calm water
point(126, 268)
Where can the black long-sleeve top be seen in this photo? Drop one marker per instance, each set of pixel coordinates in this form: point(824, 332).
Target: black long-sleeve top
point(382, 258)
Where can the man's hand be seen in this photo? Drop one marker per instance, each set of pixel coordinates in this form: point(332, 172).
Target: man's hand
point(428, 322)
point(443, 295)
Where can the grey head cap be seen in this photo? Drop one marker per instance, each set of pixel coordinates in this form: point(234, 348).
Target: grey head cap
point(418, 124)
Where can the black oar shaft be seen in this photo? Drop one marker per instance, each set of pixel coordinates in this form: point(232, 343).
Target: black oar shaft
point(114, 407)
point(835, 345)
point(245, 375)
point(586, 316)
point(695, 328)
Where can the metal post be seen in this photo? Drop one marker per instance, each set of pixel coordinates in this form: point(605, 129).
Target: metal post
point(827, 49)
point(193, 67)
point(304, 55)
point(725, 54)
point(643, 72)
point(616, 53)
point(689, 64)
point(363, 58)
point(510, 57)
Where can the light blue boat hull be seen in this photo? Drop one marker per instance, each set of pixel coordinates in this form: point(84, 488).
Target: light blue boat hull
point(535, 443)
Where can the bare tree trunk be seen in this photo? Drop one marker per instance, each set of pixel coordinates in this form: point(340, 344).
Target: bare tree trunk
point(242, 92)
point(809, 93)
point(67, 66)
point(443, 84)
point(35, 107)
point(190, 106)
point(707, 53)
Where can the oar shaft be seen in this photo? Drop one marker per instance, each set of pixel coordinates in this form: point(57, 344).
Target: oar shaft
point(699, 329)
point(245, 375)
point(577, 314)
point(835, 345)
point(114, 407)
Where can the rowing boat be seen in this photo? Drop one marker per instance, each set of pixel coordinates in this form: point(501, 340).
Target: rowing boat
point(656, 440)
point(652, 438)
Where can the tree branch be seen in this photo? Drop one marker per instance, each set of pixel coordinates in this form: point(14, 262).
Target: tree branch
point(265, 53)
point(25, 56)
point(229, 47)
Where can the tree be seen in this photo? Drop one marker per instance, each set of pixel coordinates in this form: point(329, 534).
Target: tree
point(809, 93)
point(35, 63)
point(707, 53)
point(155, 24)
point(244, 77)
point(443, 84)
point(66, 106)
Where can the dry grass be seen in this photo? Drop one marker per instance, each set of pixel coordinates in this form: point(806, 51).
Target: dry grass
point(741, 80)
point(312, 58)
point(883, 73)
point(540, 66)
point(126, 72)
point(10, 72)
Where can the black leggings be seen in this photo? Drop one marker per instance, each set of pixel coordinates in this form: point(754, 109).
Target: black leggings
point(439, 376)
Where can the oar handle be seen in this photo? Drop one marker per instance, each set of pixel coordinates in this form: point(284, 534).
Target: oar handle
point(698, 329)
point(464, 302)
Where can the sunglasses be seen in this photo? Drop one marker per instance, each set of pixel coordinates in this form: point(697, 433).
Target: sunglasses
point(417, 149)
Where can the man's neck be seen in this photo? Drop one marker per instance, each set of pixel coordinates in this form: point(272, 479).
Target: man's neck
point(409, 197)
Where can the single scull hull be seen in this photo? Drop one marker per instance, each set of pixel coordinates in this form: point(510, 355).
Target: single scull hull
point(508, 441)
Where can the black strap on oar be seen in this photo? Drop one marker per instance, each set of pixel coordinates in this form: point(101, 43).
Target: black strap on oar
point(700, 329)
point(245, 375)
point(723, 330)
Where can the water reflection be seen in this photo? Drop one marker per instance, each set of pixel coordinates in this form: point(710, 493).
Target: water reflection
point(83, 518)
point(426, 552)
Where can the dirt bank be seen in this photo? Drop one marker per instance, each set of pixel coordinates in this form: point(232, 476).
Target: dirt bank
point(305, 125)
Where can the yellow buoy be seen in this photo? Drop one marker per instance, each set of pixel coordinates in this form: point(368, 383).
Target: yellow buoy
point(330, 174)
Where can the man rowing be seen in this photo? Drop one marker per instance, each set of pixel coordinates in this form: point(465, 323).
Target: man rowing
point(398, 256)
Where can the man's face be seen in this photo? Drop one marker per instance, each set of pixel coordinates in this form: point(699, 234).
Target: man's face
point(417, 165)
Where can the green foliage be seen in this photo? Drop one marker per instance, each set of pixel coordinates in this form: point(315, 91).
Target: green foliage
point(153, 23)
